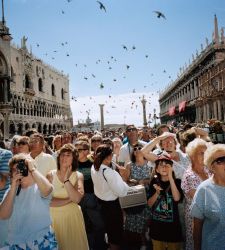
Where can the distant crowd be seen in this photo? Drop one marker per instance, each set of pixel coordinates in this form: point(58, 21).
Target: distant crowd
point(63, 191)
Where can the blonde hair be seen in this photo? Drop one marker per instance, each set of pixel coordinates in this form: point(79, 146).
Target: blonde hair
point(209, 156)
point(194, 145)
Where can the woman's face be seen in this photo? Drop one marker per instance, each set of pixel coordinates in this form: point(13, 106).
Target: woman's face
point(138, 152)
point(218, 165)
point(66, 159)
point(198, 157)
point(169, 144)
point(163, 168)
point(57, 143)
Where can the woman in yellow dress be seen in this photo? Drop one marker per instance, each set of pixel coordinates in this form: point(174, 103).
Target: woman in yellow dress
point(67, 218)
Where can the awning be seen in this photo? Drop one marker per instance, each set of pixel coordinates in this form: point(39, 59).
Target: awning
point(172, 110)
point(182, 106)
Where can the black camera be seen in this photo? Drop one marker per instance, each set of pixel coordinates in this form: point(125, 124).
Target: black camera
point(22, 167)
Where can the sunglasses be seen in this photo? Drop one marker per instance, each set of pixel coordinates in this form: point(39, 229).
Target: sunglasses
point(131, 129)
point(219, 160)
point(138, 148)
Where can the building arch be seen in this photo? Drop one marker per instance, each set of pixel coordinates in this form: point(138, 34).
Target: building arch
point(53, 89)
point(40, 85)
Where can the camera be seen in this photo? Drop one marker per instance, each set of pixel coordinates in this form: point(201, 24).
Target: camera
point(22, 167)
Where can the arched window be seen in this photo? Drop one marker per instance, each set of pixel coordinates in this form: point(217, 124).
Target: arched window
point(62, 93)
point(40, 85)
point(27, 82)
point(37, 71)
point(53, 90)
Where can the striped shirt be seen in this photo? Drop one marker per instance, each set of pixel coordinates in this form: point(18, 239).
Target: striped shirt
point(5, 156)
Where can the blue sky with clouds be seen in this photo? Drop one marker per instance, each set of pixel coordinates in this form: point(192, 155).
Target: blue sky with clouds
point(92, 46)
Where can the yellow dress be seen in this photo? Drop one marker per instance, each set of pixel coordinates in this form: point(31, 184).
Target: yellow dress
point(67, 221)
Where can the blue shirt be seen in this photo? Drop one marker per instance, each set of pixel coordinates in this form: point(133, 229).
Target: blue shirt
point(5, 156)
point(30, 219)
point(209, 205)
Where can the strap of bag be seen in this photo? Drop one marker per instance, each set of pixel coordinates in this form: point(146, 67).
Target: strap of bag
point(103, 174)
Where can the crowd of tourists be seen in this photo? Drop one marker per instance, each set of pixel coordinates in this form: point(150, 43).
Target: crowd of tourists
point(62, 191)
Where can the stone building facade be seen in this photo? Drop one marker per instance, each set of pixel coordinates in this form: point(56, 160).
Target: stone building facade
point(32, 93)
point(198, 94)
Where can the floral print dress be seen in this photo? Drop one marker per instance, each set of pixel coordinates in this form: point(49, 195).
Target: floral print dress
point(137, 222)
point(190, 181)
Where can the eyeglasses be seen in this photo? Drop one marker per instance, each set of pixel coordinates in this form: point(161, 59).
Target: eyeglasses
point(81, 149)
point(131, 129)
point(219, 160)
point(138, 148)
point(96, 140)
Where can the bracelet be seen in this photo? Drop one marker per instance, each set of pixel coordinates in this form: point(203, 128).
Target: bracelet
point(66, 181)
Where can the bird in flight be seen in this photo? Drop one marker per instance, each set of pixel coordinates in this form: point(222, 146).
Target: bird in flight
point(101, 86)
point(124, 47)
point(63, 12)
point(146, 56)
point(38, 44)
point(159, 14)
point(127, 66)
point(101, 6)
point(93, 75)
point(133, 48)
point(85, 78)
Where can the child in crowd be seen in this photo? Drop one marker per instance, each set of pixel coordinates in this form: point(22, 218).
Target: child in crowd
point(165, 193)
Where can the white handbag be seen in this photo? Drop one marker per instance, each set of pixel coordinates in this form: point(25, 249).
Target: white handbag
point(136, 196)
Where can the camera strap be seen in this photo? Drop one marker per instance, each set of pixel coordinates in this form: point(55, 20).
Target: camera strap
point(18, 190)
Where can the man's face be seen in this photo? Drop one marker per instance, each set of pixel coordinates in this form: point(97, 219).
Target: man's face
point(36, 144)
point(132, 134)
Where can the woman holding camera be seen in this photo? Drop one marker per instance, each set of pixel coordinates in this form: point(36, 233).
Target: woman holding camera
point(67, 218)
point(24, 211)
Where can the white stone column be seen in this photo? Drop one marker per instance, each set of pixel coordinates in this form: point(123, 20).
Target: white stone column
point(204, 112)
point(215, 109)
point(219, 110)
point(143, 101)
point(102, 115)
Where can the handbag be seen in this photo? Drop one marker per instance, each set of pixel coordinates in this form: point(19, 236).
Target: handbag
point(135, 200)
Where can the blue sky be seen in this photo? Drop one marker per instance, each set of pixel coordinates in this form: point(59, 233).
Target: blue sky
point(90, 34)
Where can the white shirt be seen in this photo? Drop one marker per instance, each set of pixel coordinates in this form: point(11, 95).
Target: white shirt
point(111, 188)
point(45, 163)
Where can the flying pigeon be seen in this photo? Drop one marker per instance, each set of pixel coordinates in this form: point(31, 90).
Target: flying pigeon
point(124, 47)
point(101, 6)
point(160, 14)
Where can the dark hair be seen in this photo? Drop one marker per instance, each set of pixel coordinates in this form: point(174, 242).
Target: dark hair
point(158, 130)
point(133, 158)
point(68, 148)
point(108, 141)
point(30, 132)
point(102, 152)
point(154, 172)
